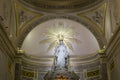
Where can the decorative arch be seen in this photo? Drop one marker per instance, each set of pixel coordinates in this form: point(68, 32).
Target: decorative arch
point(101, 40)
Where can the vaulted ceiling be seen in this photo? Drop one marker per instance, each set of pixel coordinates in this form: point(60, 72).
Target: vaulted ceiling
point(60, 6)
point(31, 18)
point(87, 17)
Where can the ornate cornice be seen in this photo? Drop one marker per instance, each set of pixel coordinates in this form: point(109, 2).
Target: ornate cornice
point(43, 67)
point(49, 59)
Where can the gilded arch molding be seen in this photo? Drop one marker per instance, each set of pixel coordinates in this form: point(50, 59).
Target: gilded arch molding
point(101, 40)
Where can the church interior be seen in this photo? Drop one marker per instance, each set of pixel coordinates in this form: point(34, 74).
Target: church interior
point(59, 40)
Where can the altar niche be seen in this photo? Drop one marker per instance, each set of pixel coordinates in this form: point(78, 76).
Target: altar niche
point(60, 70)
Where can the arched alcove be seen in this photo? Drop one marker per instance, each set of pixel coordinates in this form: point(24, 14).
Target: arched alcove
point(86, 46)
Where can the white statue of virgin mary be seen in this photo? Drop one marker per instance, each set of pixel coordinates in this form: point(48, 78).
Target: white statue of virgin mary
point(61, 56)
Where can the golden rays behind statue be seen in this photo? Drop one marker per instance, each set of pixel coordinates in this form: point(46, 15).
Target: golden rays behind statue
point(59, 32)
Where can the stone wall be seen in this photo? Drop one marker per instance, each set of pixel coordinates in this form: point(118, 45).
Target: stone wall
point(7, 52)
point(114, 6)
point(113, 64)
point(113, 49)
point(6, 67)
